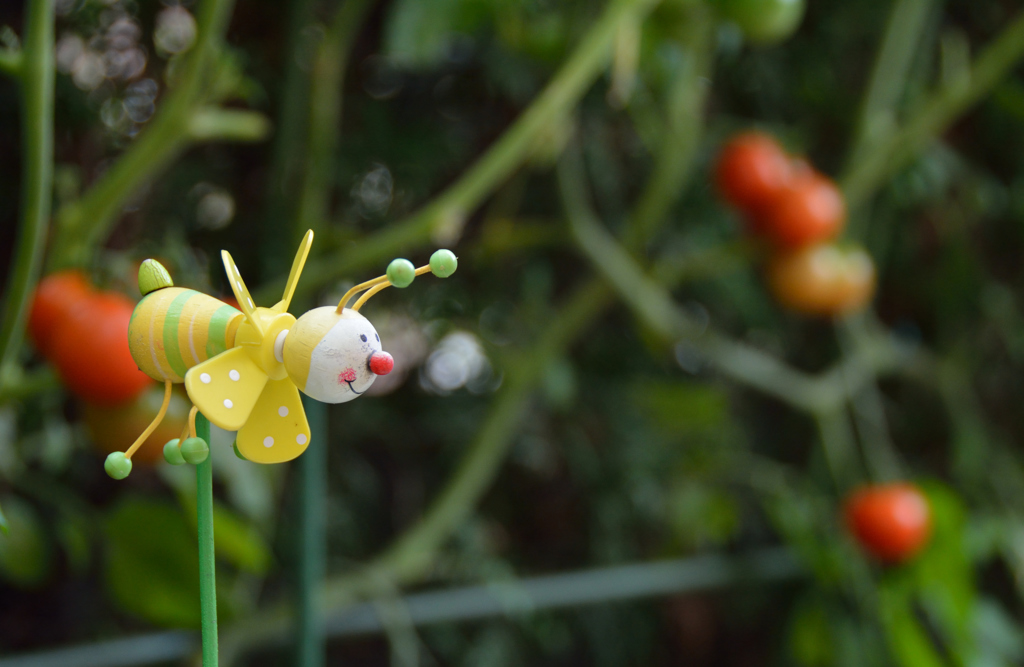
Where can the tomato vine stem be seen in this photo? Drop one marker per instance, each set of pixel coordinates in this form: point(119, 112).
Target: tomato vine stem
point(37, 76)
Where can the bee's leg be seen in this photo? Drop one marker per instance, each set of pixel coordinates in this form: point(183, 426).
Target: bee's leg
point(192, 422)
point(152, 426)
point(119, 464)
point(173, 453)
point(184, 431)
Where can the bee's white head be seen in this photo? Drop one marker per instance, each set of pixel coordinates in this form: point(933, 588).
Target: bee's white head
point(334, 357)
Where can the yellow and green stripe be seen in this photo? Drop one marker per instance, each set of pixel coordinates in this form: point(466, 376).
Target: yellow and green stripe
point(173, 329)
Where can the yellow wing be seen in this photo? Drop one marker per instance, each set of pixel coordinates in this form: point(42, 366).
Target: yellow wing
point(293, 277)
point(226, 387)
point(245, 301)
point(277, 431)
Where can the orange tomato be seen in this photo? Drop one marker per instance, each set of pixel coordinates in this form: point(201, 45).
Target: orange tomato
point(55, 295)
point(752, 168)
point(114, 428)
point(891, 522)
point(90, 351)
point(823, 280)
point(809, 209)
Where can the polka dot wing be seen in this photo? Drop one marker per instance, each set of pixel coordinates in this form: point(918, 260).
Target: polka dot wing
point(226, 387)
point(277, 430)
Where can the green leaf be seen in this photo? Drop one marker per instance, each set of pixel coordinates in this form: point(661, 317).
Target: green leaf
point(152, 567)
point(999, 637)
point(910, 644)
point(25, 550)
point(700, 514)
point(419, 33)
point(3, 522)
point(811, 640)
point(682, 406)
point(239, 543)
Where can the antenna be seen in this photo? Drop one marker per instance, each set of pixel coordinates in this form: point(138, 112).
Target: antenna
point(401, 273)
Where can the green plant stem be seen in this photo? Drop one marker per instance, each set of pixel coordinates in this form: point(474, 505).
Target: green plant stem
point(325, 105)
point(838, 447)
point(903, 30)
point(37, 173)
point(864, 176)
point(312, 537)
point(687, 95)
point(83, 224)
point(288, 147)
point(207, 562)
point(444, 217)
point(868, 409)
point(213, 124)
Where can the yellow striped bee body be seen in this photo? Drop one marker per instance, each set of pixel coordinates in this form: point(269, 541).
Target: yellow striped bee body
point(173, 329)
point(244, 368)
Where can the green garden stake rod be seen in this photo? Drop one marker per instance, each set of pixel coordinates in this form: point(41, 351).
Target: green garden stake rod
point(312, 541)
point(207, 563)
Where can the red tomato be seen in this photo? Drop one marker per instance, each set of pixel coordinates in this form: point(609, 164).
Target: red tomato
point(807, 210)
point(53, 298)
point(891, 522)
point(751, 170)
point(90, 351)
point(823, 280)
point(114, 429)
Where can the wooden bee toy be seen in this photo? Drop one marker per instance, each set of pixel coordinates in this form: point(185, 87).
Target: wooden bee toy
point(244, 370)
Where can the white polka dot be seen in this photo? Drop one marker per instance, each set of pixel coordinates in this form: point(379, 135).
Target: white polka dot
point(301, 438)
point(283, 411)
point(228, 403)
point(204, 378)
point(268, 441)
point(233, 374)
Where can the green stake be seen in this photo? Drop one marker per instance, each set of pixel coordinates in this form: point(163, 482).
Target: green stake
point(312, 538)
point(207, 566)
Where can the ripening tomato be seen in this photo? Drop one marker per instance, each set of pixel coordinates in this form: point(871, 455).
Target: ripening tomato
point(115, 428)
point(824, 280)
point(55, 295)
point(892, 522)
point(764, 21)
point(752, 168)
point(809, 209)
point(90, 351)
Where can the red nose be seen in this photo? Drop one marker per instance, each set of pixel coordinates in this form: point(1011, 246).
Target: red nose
point(381, 363)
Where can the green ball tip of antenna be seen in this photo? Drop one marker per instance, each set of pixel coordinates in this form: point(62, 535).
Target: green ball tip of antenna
point(195, 450)
point(401, 272)
point(172, 453)
point(443, 263)
point(118, 465)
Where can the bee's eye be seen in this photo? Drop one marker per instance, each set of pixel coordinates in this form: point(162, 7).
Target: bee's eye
point(362, 337)
point(378, 337)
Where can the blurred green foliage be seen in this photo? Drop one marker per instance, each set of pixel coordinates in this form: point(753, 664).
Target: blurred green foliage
point(574, 432)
